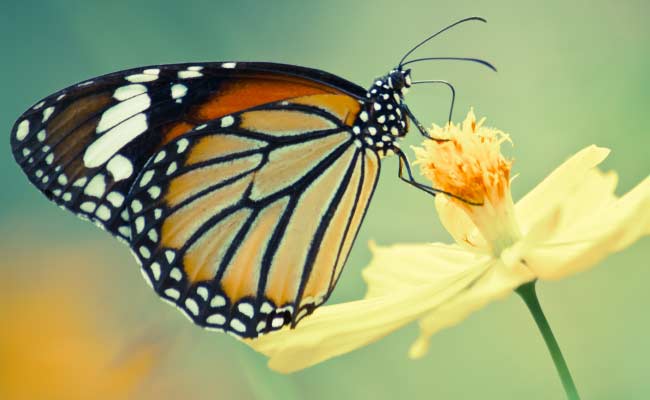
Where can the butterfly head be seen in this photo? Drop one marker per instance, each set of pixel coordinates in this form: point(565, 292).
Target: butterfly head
point(399, 80)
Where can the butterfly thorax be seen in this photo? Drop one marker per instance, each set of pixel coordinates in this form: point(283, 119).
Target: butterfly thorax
point(382, 119)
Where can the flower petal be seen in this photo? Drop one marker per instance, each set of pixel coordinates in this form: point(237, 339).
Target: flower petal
point(499, 280)
point(459, 225)
point(338, 329)
point(405, 266)
point(556, 187)
point(607, 227)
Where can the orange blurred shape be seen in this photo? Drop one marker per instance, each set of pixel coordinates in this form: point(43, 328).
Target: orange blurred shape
point(54, 343)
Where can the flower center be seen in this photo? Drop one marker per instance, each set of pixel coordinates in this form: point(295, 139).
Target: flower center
point(468, 164)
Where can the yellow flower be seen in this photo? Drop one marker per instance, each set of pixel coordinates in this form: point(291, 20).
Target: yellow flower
point(568, 223)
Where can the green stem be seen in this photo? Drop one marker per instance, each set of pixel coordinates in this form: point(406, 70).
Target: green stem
point(528, 294)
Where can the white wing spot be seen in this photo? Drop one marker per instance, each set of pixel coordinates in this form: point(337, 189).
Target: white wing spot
point(154, 192)
point(88, 206)
point(191, 306)
point(266, 308)
point(178, 91)
point(26, 152)
point(218, 301)
point(172, 168)
point(261, 325)
point(216, 319)
point(112, 141)
point(67, 196)
point(39, 105)
point(144, 252)
point(80, 182)
point(229, 65)
point(96, 186)
point(189, 74)
point(127, 91)
point(62, 179)
point(136, 78)
point(237, 325)
point(22, 130)
point(136, 206)
point(125, 231)
point(103, 213)
point(195, 68)
point(227, 121)
point(246, 309)
point(173, 293)
point(170, 255)
point(38, 173)
point(116, 199)
point(155, 270)
point(153, 235)
point(146, 178)
point(202, 292)
point(176, 274)
point(182, 145)
point(363, 116)
point(47, 113)
point(157, 213)
point(41, 135)
point(123, 110)
point(49, 158)
point(277, 322)
point(139, 224)
point(160, 156)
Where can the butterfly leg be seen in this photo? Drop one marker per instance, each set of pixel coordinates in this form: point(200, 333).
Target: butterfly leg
point(404, 166)
point(420, 127)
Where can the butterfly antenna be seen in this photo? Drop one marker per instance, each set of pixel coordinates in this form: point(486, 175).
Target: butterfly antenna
point(476, 60)
point(450, 86)
point(408, 53)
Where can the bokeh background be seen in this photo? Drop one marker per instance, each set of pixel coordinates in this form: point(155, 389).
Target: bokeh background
point(570, 74)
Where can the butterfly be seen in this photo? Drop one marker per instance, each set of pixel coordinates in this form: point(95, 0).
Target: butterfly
point(239, 186)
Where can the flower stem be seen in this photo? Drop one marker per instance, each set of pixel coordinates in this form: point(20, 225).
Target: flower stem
point(528, 294)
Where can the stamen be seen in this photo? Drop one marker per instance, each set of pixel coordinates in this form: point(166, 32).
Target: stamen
point(469, 164)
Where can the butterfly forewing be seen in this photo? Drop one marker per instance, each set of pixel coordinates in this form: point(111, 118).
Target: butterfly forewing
point(84, 146)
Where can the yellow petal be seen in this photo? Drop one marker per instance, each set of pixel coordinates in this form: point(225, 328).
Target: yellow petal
point(405, 266)
point(556, 187)
point(499, 280)
point(604, 227)
point(459, 225)
point(341, 328)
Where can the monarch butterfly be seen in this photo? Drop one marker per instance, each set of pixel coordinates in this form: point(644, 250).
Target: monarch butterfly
point(239, 186)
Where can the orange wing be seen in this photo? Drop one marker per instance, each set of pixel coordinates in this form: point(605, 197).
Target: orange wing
point(245, 222)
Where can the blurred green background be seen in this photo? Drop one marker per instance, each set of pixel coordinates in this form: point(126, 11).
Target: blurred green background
point(570, 74)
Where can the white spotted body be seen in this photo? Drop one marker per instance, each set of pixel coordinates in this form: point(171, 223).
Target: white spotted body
point(383, 119)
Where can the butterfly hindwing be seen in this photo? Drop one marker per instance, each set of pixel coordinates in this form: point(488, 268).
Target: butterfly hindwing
point(246, 221)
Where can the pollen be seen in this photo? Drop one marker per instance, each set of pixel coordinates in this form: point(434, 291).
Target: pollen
point(465, 161)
